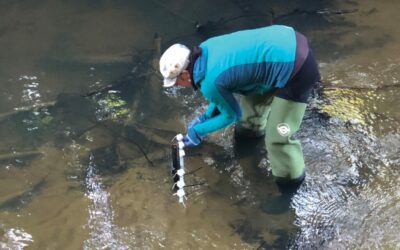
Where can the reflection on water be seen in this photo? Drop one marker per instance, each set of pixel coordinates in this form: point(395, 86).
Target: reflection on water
point(30, 97)
point(14, 238)
point(373, 75)
point(104, 157)
point(31, 100)
point(352, 199)
point(103, 231)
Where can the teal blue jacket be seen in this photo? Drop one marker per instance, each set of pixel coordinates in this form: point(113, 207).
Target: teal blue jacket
point(244, 62)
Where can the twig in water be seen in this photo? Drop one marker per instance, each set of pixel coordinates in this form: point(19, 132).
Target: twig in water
point(194, 171)
point(197, 184)
point(131, 140)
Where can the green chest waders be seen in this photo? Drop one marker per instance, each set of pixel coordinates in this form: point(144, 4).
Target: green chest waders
point(280, 118)
point(284, 152)
point(255, 111)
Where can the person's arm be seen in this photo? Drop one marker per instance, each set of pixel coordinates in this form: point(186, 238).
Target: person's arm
point(211, 111)
point(228, 112)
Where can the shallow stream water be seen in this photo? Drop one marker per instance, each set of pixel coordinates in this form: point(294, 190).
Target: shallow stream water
point(86, 166)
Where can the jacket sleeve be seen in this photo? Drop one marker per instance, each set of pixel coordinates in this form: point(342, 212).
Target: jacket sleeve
point(223, 100)
point(211, 111)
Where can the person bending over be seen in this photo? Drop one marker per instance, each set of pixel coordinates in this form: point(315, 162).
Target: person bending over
point(273, 71)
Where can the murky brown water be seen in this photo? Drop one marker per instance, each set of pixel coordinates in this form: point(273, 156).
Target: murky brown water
point(93, 172)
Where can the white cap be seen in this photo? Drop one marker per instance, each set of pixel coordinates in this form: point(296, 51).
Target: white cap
point(174, 60)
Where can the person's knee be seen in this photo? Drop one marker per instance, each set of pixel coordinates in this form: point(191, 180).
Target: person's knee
point(246, 130)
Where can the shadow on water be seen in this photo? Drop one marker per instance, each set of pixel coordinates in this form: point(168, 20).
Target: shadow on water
point(18, 201)
point(96, 154)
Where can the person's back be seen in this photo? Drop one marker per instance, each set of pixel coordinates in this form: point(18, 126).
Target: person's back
point(250, 61)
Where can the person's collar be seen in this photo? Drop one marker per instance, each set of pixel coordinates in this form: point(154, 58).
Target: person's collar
point(195, 53)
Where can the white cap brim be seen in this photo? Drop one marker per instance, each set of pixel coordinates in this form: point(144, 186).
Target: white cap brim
point(169, 82)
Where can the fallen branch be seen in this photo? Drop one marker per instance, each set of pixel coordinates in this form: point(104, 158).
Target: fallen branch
point(323, 12)
point(153, 137)
point(157, 129)
point(134, 74)
point(15, 155)
point(27, 108)
point(130, 140)
point(108, 87)
point(330, 85)
point(153, 156)
point(12, 201)
point(211, 26)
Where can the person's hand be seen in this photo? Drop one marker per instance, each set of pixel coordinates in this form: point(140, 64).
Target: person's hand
point(191, 139)
point(188, 142)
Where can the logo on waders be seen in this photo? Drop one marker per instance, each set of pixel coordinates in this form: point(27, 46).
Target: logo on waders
point(283, 129)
